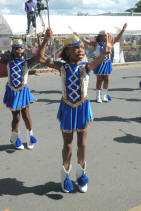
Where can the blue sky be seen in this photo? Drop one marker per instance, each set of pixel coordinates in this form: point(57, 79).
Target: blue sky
point(70, 7)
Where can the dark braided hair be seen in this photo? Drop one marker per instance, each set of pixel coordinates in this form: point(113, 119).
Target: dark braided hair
point(64, 55)
point(98, 38)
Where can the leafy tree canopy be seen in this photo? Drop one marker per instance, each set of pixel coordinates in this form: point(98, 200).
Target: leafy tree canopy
point(136, 9)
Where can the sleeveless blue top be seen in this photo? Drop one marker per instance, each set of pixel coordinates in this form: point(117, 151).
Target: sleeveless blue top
point(17, 73)
point(74, 83)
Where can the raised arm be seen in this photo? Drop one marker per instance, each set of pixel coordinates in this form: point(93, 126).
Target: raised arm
point(116, 39)
point(39, 36)
point(107, 49)
point(41, 52)
point(89, 42)
point(40, 57)
point(86, 41)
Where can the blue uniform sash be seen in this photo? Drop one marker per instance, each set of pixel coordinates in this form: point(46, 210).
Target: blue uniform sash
point(16, 73)
point(73, 83)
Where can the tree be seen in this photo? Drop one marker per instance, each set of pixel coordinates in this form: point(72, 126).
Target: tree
point(136, 9)
point(138, 5)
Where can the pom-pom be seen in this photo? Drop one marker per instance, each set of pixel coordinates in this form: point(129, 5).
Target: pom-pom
point(109, 97)
point(68, 184)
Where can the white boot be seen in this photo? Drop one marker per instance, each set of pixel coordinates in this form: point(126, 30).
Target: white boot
point(31, 140)
point(98, 96)
point(104, 95)
point(81, 178)
point(66, 183)
point(15, 140)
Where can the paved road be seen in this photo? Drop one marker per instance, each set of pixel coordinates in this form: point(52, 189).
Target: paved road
point(30, 180)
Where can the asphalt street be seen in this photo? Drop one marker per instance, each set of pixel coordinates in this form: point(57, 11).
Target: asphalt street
point(30, 180)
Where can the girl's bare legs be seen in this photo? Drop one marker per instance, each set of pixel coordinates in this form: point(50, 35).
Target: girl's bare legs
point(66, 183)
point(81, 144)
point(15, 129)
point(26, 118)
point(67, 149)
point(81, 178)
point(15, 122)
point(31, 140)
point(105, 88)
point(106, 81)
point(98, 88)
point(99, 81)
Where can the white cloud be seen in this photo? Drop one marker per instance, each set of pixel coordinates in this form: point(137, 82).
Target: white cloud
point(98, 3)
point(119, 5)
point(11, 6)
point(71, 7)
point(90, 6)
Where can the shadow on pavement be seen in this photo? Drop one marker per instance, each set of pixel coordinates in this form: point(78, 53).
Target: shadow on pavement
point(46, 92)
point(130, 99)
point(123, 89)
point(11, 186)
point(118, 119)
point(136, 76)
point(128, 139)
point(9, 148)
point(48, 101)
point(118, 89)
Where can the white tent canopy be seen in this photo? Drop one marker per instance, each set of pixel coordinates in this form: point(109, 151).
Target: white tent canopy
point(4, 27)
point(17, 24)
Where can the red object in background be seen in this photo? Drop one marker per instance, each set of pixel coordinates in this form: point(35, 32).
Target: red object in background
point(59, 53)
point(3, 70)
point(6, 42)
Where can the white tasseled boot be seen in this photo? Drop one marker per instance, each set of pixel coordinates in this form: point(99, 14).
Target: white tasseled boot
point(104, 95)
point(81, 178)
point(66, 183)
point(31, 140)
point(98, 96)
point(16, 141)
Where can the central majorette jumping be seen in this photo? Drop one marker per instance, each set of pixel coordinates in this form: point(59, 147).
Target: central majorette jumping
point(17, 95)
point(75, 111)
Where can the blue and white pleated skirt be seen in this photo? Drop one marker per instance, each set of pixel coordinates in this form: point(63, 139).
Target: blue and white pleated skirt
point(17, 100)
point(105, 68)
point(74, 118)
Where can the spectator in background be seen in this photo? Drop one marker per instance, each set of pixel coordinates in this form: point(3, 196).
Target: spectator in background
point(134, 44)
point(30, 8)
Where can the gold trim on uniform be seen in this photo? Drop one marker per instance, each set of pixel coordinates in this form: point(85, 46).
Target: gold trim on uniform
point(73, 105)
point(19, 109)
point(17, 88)
point(78, 130)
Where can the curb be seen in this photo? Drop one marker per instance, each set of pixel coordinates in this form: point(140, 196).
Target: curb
point(126, 64)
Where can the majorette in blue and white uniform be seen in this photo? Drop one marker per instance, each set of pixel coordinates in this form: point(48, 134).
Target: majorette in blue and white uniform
point(75, 111)
point(105, 67)
point(17, 95)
